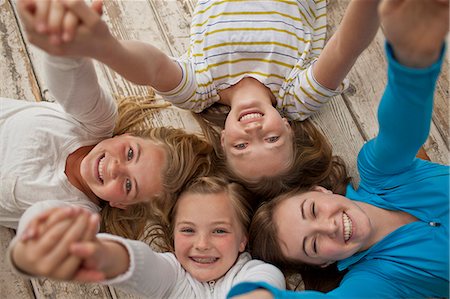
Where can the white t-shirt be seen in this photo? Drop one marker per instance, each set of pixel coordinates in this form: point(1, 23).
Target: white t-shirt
point(36, 139)
point(160, 275)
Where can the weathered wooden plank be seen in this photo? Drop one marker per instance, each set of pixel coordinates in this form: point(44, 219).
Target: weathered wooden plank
point(11, 284)
point(17, 74)
point(369, 79)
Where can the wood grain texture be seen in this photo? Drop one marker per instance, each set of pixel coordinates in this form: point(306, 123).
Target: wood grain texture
point(369, 79)
point(347, 121)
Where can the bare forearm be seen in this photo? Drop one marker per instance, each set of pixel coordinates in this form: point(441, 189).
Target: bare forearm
point(356, 31)
point(117, 260)
point(141, 63)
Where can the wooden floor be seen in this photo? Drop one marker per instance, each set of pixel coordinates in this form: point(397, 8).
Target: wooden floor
point(348, 121)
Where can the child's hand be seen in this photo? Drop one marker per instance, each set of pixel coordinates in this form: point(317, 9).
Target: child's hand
point(63, 27)
point(415, 29)
point(47, 252)
point(101, 259)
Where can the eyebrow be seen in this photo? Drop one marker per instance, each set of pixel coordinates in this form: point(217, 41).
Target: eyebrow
point(304, 247)
point(138, 155)
point(303, 216)
point(302, 210)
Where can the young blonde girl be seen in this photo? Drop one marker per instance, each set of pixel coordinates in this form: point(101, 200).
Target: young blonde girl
point(63, 153)
point(205, 233)
point(260, 58)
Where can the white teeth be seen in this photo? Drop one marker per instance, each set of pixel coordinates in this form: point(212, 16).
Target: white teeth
point(348, 226)
point(204, 260)
point(100, 168)
point(251, 116)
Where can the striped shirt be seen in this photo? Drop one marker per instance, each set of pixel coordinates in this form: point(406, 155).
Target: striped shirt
point(273, 41)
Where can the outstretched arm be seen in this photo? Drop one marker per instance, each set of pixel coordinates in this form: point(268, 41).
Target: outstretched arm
point(415, 57)
point(354, 34)
point(89, 36)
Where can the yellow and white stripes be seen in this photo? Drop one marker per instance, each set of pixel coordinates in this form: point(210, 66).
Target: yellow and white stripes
point(273, 41)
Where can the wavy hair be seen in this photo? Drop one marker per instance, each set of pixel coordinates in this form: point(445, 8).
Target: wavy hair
point(187, 156)
point(313, 162)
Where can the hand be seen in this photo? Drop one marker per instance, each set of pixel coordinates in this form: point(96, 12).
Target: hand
point(64, 27)
point(101, 259)
point(415, 29)
point(46, 252)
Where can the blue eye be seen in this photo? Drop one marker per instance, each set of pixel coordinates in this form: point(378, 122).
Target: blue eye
point(240, 146)
point(128, 185)
point(130, 154)
point(220, 231)
point(187, 230)
point(273, 139)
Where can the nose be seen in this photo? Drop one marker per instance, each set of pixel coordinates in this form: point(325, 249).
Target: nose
point(116, 169)
point(202, 242)
point(328, 227)
point(253, 127)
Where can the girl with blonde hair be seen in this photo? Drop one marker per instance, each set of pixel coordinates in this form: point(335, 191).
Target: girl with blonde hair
point(64, 153)
point(263, 59)
point(205, 234)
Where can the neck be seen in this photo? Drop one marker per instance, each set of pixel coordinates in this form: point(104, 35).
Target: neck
point(247, 88)
point(73, 173)
point(383, 221)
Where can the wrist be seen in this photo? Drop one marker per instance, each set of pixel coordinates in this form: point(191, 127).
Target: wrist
point(416, 58)
point(117, 259)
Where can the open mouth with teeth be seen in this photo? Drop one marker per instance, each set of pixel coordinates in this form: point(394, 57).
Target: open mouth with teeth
point(250, 116)
point(204, 260)
point(348, 226)
point(100, 168)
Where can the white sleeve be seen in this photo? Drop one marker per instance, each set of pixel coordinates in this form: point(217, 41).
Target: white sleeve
point(256, 270)
point(74, 84)
point(151, 274)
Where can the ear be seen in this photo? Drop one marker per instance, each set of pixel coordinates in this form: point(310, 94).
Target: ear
point(321, 189)
point(243, 243)
point(327, 264)
point(222, 139)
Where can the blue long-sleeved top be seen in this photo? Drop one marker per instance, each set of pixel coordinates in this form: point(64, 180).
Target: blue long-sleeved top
point(412, 261)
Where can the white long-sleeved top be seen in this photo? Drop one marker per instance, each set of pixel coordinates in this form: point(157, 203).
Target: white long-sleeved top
point(273, 41)
point(37, 137)
point(160, 275)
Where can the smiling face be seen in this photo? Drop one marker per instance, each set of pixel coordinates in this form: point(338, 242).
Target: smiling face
point(257, 141)
point(207, 235)
point(124, 170)
point(319, 227)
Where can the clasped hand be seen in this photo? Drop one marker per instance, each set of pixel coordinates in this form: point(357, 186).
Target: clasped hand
point(64, 27)
point(61, 244)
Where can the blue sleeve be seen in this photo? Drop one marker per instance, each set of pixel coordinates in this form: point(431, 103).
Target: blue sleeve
point(404, 117)
point(246, 287)
point(361, 285)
